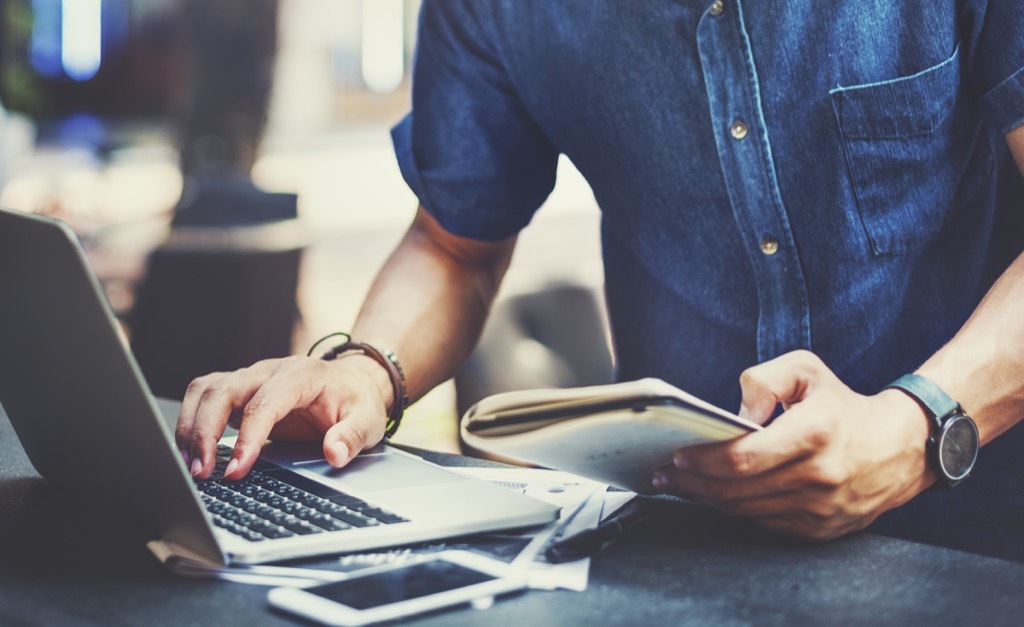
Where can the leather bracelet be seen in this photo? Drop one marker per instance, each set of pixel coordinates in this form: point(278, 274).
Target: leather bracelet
point(388, 360)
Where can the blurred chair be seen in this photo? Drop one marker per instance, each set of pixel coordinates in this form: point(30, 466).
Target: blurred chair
point(216, 299)
point(551, 337)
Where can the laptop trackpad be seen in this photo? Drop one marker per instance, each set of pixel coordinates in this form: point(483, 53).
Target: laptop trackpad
point(381, 471)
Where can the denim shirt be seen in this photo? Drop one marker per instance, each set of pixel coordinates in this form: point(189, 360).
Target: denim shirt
point(772, 175)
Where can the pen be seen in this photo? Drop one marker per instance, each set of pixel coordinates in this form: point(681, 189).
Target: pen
point(590, 541)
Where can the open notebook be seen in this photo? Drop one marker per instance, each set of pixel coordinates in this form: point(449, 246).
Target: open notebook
point(617, 434)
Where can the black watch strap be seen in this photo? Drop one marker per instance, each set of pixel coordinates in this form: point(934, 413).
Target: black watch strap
point(930, 396)
point(952, 447)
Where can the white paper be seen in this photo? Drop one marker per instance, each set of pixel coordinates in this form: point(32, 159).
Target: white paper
point(584, 503)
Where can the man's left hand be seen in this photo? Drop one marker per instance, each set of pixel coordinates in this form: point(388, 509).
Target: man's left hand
point(830, 464)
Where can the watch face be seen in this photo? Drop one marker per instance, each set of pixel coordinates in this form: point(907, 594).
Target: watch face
point(958, 447)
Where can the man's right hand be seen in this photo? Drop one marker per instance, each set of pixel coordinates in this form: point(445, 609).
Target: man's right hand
point(428, 303)
point(342, 402)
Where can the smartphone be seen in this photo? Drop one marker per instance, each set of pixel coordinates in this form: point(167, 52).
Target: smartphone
point(394, 591)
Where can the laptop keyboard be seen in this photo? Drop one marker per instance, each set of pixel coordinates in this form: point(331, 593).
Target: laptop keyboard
point(274, 502)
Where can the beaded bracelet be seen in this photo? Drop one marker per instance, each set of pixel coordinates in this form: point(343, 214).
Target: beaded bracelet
point(388, 360)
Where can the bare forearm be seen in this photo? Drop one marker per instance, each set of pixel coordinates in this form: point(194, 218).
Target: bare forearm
point(983, 366)
point(430, 300)
point(428, 304)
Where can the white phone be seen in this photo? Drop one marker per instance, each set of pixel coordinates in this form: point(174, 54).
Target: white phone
point(393, 591)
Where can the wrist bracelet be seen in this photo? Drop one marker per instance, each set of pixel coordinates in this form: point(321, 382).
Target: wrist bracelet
point(388, 360)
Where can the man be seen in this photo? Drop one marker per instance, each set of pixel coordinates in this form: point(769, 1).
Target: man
point(820, 196)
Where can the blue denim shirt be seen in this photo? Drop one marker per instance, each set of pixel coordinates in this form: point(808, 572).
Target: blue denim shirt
point(830, 176)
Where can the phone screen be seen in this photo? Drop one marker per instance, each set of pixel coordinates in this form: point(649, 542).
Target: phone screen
point(401, 584)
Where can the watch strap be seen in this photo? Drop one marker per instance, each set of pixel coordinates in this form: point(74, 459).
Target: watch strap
point(945, 413)
point(931, 397)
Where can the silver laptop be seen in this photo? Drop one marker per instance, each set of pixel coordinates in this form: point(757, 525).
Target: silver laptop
point(88, 422)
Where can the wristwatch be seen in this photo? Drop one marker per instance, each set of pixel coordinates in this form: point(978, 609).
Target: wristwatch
point(952, 447)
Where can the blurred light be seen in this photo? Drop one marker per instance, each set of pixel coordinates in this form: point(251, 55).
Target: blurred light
point(44, 46)
point(81, 130)
point(81, 38)
point(383, 44)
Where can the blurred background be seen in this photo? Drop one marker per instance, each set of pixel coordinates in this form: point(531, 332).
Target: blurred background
point(228, 167)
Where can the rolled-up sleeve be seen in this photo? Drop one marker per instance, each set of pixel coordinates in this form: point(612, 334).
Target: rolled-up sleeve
point(468, 149)
point(1004, 103)
point(995, 38)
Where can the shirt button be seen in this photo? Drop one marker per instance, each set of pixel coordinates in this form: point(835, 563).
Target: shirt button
point(717, 8)
point(769, 245)
point(738, 129)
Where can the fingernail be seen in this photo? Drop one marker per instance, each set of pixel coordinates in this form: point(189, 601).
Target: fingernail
point(340, 450)
point(680, 462)
point(659, 480)
point(231, 466)
point(186, 456)
point(197, 466)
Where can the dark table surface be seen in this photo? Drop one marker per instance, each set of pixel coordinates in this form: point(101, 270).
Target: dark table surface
point(62, 563)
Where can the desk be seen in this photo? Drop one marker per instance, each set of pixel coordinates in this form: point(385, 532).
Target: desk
point(61, 564)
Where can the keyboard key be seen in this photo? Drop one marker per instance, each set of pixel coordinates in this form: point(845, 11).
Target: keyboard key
point(306, 513)
point(304, 484)
point(264, 511)
point(278, 518)
point(308, 499)
point(383, 515)
point(329, 524)
point(236, 499)
point(255, 507)
point(261, 526)
point(291, 507)
point(354, 519)
point(302, 527)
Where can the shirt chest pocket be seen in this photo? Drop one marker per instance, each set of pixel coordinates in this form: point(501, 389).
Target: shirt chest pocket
point(910, 149)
